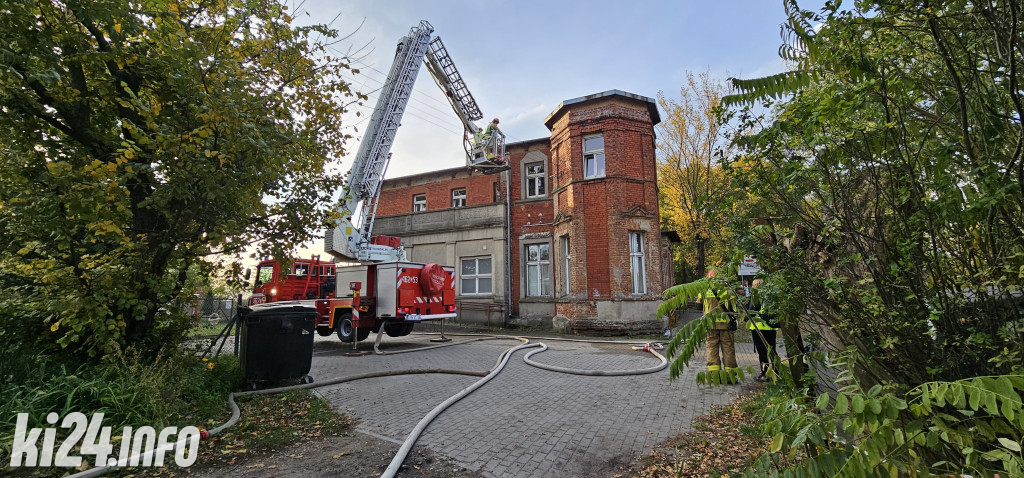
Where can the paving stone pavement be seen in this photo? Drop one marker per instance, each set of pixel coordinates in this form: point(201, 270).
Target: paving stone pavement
point(526, 421)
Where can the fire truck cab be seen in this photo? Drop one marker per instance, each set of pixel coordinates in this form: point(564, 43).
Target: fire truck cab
point(307, 279)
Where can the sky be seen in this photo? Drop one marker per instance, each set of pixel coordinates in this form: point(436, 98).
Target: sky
point(520, 59)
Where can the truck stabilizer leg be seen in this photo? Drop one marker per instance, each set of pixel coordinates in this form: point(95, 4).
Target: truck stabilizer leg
point(442, 338)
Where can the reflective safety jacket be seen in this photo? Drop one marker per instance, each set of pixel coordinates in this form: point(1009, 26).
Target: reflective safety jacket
point(757, 317)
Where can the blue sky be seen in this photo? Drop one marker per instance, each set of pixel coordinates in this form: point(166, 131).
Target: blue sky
point(520, 59)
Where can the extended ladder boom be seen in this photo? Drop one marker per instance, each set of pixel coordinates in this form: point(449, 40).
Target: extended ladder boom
point(484, 150)
point(351, 235)
point(447, 77)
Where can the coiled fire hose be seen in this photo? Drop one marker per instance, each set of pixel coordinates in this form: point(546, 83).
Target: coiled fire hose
point(414, 435)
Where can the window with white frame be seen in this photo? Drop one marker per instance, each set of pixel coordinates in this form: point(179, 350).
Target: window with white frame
point(459, 197)
point(593, 156)
point(566, 260)
point(536, 180)
point(476, 276)
point(419, 203)
point(637, 262)
point(538, 270)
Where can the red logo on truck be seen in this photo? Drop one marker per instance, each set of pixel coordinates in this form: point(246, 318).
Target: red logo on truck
point(432, 278)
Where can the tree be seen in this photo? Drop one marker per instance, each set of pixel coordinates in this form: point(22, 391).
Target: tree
point(892, 162)
point(895, 173)
point(139, 138)
point(692, 186)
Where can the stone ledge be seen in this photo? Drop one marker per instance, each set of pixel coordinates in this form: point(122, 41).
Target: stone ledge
point(597, 326)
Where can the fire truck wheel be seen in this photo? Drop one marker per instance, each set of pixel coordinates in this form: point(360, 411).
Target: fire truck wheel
point(346, 331)
point(324, 331)
point(398, 330)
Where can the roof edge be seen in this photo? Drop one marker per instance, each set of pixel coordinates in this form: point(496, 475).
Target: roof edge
point(652, 106)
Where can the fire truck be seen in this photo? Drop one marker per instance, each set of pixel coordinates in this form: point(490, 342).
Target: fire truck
point(307, 279)
point(382, 289)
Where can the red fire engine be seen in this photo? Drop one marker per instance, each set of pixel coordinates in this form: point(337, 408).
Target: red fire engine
point(307, 279)
point(393, 295)
point(384, 291)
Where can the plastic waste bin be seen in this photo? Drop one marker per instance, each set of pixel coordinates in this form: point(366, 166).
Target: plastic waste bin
point(276, 343)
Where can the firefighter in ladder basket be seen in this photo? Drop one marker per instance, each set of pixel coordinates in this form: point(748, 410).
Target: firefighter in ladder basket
point(485, 145)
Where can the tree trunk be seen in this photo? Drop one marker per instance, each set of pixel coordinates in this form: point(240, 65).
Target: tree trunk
point(701, 244)
point(795, 353)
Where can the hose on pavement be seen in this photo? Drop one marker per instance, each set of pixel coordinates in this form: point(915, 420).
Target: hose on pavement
point(414, 435)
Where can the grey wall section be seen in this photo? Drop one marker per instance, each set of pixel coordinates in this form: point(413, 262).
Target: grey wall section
point(441, 221)
point(447, 236)
point(535, 313)
point(429, 252)
point(627, 311)
point(615, 317)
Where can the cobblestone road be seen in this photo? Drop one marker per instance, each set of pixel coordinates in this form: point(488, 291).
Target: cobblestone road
point(526, 422)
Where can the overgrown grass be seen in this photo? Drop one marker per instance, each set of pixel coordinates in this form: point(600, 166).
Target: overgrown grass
point(271, 421)
point(267, 423)
point(177, 389)
point(207, 330)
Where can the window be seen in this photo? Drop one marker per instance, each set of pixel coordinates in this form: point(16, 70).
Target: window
point(458, 197)
point(419, 203)
point(637, 263)
point(536, 180)
point(538, 270)
point(301, 270)
point(565, 263)
point(593, 156)
point(476, 276)
point(264, 275)
point(327, 271)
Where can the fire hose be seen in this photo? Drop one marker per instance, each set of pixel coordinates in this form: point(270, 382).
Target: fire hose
point(414, 435)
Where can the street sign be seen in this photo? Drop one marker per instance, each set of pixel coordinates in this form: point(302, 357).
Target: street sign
point(749, 266)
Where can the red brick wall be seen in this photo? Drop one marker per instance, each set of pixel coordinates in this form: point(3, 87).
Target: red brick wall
point(530, 217)
point(597, 214)
point(396, 194)
point(601, 212)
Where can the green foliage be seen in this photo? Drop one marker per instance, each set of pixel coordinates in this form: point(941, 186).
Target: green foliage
point(722, 377)
point(679, 295)
point(692, 335)
point(887, 185)
point(938, 428)
point(694, 193)
point(176, 389)
point(776, 86)
point(884, 190)
point(139, 138)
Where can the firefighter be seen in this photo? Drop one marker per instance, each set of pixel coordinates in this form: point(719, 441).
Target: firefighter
point(489, 134)
point(491, 128)
point(763, 327)
point(720, 338)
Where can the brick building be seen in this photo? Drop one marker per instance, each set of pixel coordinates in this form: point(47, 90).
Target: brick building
point(572, 229)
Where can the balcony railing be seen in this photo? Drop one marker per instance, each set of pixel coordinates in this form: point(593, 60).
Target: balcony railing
point(441, 220)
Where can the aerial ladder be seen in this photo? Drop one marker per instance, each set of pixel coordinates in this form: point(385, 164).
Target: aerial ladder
point(384, 291)
point(485, 150)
